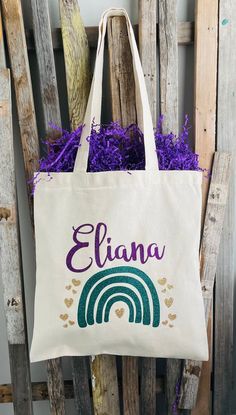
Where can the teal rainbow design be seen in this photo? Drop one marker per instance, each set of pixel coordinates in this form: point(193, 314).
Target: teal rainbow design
point(126, 284)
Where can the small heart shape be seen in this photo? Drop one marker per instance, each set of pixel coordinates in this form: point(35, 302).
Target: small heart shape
point(119, 312)
point(71, 322)
point(162, 281)
point(76, 282)
point(169, 302)
point(68, 302)
point(171, 325)
point(65, 326)
point(169, 286)
point(172, 316)
point(163, 291)
point(64, 316)
point(74, 291)
point(165, 322)
point(68, 287)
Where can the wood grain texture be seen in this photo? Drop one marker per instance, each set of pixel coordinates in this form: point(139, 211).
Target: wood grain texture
point(55, 387)
point(10, 261)
point(13, 19)
point(121, 72)
point(168, 45)
point(46, 65)
point(105, 385)
point(2, 46)
point(185, 33)
point(226, 124)
point(206, 27)
point(148, 390)
point(123, 110)
point(81, 386)
point(130, 385)
point(210, 245)
point(77, 62)
point(76, 54)
point(148, 50)
point(148, 55)
point(51, 112)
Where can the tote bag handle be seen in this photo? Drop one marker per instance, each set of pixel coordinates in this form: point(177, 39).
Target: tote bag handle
point(93, 110)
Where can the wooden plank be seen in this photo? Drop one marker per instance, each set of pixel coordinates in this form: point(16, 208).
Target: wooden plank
point(168, 45)
point(148, 380)
point(105, 385)
point(10, 263)
point(226, 124)
point(2, 48)
point(14, 26)
point(51, 113)
point(123, 110)
point(148, 50)
point(148, 55)
point(210, 247)
point(46, 65)
point(40, 390)
point(185, 32)
point(169, 108)
point(121, 72)
point(206, 27)
point(76, 54)
point(81, 385)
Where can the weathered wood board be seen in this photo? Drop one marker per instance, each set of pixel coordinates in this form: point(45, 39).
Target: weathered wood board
point(77, 63)
point(168, 46)
point(210, 245)
point(225, 276)
point(46, 65)
point(148, 50)
point(123, 110)
point(10, 259)
point(14, 26)
point(206, 27)
point(76, 54)
point(148, 56)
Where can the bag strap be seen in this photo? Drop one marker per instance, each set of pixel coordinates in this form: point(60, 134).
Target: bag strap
point(93, 110)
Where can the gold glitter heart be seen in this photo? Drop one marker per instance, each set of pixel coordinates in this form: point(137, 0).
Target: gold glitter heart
point(172, 316)
point(65, 326)
point(71, 322)
point(169, 301)
point(120, 312)
point(76, 282)
point(74, 291)
point(68, 302)
point(163, 291)
point(169, 286)
point(162, 281)
point(64, 316)
point(165, 322)
point(171, 325)
point(68, 287)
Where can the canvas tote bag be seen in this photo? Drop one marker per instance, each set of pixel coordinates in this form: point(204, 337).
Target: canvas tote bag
point(118, 252)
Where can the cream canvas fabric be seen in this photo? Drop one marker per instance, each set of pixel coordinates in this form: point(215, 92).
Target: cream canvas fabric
point(118, 252)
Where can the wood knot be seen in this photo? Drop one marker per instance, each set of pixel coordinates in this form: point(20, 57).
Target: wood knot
point(5, 213)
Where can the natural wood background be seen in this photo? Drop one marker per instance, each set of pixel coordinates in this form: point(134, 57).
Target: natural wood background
point(182, 34)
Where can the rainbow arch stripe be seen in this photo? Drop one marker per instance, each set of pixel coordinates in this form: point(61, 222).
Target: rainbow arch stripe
point(127, 284)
